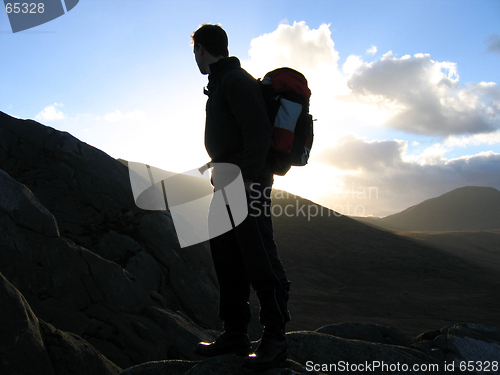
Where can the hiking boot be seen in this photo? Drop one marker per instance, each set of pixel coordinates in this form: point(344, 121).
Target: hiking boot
point(227, 343)
point(272, 350)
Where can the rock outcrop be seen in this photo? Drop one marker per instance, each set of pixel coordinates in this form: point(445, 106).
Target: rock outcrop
point(87, 260)
point(78, 291)
point(90, 197)
point(461, 343)
point(31, 346)
point(464, 349)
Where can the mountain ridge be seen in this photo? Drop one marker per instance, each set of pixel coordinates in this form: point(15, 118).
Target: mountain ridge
point(467, 208)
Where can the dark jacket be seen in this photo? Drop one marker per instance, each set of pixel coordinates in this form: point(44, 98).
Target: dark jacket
point(237, 129)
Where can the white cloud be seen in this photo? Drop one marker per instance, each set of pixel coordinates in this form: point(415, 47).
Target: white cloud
point(352, 64)
point(372, 50)
point(474, 140)
point(432, 155)
point(426, 96)
point(50, 113)
point(310, 51)
point(296, 46)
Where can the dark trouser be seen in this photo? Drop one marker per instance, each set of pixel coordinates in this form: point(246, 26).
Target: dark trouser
point(247, 255)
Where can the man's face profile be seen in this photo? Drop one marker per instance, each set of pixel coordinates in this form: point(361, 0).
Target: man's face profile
point(199, 53)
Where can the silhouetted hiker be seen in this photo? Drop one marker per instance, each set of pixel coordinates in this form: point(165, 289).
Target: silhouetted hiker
point(238, 131)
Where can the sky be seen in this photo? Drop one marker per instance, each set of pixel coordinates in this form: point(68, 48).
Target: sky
point(405, 93)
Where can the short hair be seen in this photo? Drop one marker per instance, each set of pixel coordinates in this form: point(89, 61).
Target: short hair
point(213, 38)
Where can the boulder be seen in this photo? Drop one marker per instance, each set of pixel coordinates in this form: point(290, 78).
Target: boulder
point(190, 274)
point(466, 346)
point(21, 205)
point(31, 346)
point(148, 270)
point(366, 332)
point(72, 355)
point(116, 247)
point(172, 367)
point(318, 349)
point(474, 347)
point(22, 342)
point(81, 186)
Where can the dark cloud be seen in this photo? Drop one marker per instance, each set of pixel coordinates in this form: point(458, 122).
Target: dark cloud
point(413, 183)
point(493, 42)
point(352, 153)
point(389, 184)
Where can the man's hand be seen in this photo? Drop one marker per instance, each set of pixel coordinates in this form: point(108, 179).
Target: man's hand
point(204, 168)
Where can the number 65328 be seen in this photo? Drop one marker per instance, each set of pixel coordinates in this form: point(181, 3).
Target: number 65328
point(25, 7)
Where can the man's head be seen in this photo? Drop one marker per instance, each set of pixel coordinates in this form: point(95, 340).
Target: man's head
point(209, 45)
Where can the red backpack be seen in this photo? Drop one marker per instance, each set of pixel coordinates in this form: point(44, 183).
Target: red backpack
point(287, 98)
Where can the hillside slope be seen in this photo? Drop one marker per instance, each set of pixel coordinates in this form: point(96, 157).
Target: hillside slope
point(477, 247)
point(467, 208)
point(343, 270)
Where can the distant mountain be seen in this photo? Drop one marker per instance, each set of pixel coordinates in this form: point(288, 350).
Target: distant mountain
point(467, 208)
